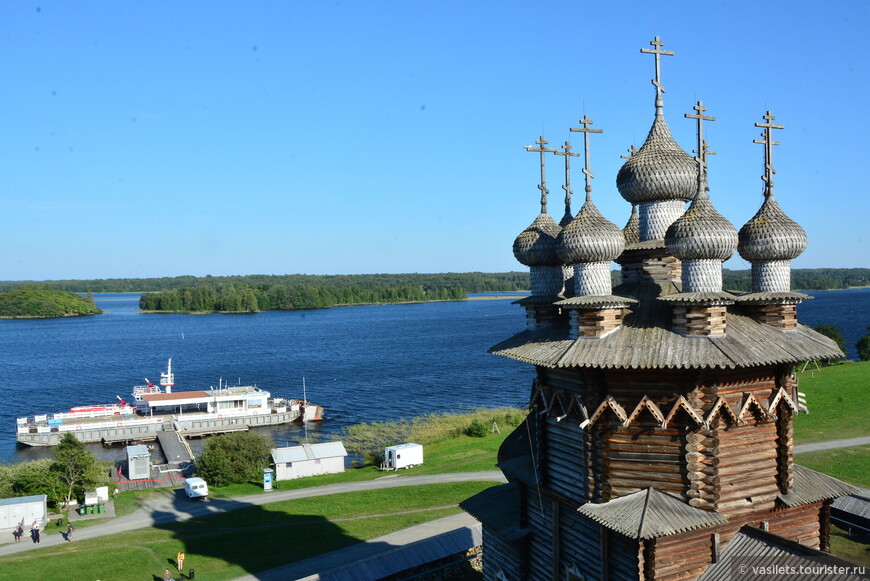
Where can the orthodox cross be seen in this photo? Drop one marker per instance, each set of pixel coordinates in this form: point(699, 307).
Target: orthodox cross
point(543, 186)
point(702, 150)
point(768, 142)
point(631, 151)
point(567, 187)
point(586, 130)
point(658, 52)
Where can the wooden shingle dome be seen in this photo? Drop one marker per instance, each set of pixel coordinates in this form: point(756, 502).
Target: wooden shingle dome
point(536, 245)
point(659, 171)
point(701, 233)
point(590, 237)
point(771, 235)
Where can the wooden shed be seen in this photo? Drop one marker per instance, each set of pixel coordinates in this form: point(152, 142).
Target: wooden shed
point(308, 460)
point(23, 509)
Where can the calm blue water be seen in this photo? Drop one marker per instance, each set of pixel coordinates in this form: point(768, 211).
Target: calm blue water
point(365, 363)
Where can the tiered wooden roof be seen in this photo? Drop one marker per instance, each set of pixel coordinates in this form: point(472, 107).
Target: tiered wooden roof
point(646, 341)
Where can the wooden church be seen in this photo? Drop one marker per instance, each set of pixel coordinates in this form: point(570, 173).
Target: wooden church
point(659, 432)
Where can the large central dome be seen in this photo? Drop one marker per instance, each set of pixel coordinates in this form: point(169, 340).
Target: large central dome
point(659, 171)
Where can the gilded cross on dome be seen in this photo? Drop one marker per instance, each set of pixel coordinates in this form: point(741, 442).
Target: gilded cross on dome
point(543, 186)
point(658, 52)
point(567, 187)
point(768, 142)
point(586, 130)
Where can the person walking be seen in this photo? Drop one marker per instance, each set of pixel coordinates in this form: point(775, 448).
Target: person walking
point(34, 532)
point(70, 529)
point(179, 558)
point(18, 532)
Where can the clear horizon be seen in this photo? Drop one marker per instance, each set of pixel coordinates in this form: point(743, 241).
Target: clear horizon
point(161, 140)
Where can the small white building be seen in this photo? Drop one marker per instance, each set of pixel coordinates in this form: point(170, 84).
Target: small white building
point(403, 456)
point(308, 460)
point(138, 462)
point(24, 509)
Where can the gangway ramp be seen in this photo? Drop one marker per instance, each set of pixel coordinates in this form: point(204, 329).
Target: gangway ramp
point(175, 447)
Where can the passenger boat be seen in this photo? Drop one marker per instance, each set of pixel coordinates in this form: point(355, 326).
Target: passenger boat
point(158, 408)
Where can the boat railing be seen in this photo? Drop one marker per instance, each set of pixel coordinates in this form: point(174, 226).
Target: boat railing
point(119, 411)
point(125, 422)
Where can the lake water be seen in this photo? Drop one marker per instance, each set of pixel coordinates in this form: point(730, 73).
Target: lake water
point(363, 364)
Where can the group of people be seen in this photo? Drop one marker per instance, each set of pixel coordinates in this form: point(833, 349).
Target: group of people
point(18, 531)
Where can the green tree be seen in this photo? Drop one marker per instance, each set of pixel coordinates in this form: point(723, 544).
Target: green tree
point(864, 346)
point(833, 333)
point(76, 468)
point(37, 477)
point(234, 458)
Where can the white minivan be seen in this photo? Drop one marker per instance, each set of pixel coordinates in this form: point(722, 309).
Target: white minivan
point(195, 488)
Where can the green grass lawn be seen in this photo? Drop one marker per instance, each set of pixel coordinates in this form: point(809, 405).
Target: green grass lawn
point(850, 465)
point(228, 545)
point(838, 398)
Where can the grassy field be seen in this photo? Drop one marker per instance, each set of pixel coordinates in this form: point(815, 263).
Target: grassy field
point(838, 398)
point(228, 545)
point(850, 465)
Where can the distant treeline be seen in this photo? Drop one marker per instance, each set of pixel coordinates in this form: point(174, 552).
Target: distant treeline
point(473, 282)
point(235, 298)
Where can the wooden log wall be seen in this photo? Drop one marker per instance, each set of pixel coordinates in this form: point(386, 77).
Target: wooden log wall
point(784, 447)
point(685, 556)
point(624, 558)
point(500, 554)
point(641, 457)
point(747, 467)
point(653, 266)
point(581, 544)
point(567, 456)
point(780, 316)
point(539, 565)
point(699, 320)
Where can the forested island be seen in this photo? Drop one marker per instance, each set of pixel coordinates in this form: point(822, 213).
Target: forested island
point(41, 302)
point(240, 298)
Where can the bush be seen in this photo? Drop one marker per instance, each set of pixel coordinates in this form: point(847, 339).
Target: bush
point(832, 332)
point(235, 458)
point(476, 429)
point(863, 347)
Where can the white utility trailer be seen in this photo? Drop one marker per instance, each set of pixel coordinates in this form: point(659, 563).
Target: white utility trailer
point(403, 456)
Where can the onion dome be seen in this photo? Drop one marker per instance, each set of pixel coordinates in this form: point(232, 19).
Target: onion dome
point(701, 233)
point(536, 245)
point(771, 235)
point(632, 227)
point(659, 171)
point(590, 237)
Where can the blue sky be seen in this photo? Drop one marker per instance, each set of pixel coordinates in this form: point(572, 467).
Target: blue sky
point(163, 138)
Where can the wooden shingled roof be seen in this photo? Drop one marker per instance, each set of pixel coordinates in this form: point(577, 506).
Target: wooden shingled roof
point(752, 547)
point(811, 486)
point(649, 513)
point(646, 341)
point(497, 507)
